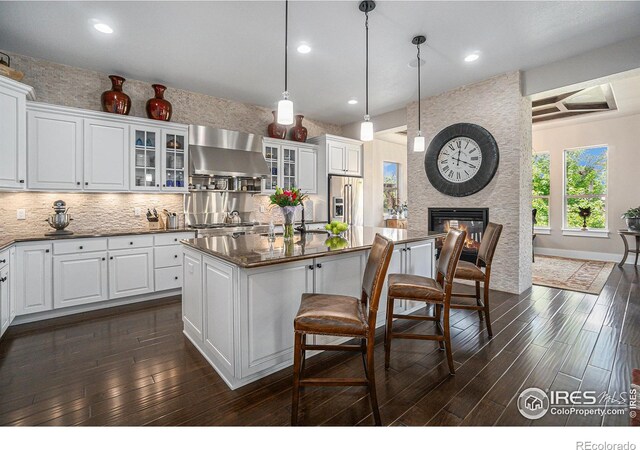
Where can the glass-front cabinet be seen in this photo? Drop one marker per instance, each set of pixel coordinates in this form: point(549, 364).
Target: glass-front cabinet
point(174, 161)
point(145, 166)
point(281, 161)
point(289, 167)
point(271, 155)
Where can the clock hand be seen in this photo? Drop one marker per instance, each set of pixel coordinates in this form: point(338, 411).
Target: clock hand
point(459, 151)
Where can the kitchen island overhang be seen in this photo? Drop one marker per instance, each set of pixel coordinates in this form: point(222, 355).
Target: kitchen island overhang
point(241, 294)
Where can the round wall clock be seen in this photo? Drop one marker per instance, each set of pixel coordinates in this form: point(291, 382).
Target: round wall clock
point(462, 159)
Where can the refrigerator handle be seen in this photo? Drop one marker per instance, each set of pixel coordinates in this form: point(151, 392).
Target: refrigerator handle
point(350, 190)
point(345, 210)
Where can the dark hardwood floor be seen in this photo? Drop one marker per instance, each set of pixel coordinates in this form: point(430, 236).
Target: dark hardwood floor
point(132, 366)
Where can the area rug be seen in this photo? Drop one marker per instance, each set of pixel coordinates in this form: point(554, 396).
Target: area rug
point(571, 274)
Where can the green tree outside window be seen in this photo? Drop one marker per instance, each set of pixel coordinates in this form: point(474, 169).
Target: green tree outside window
point(541, 188)
point(585, 181)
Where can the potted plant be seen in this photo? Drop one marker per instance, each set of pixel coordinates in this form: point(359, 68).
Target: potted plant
point(288, 200)
point(632, 216)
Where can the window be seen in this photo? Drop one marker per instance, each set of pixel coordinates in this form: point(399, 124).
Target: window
point(541, 189)
point(585, 187)
point(390, 185)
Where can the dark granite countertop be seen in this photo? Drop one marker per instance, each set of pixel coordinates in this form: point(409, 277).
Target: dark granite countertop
point(255, 250)
point(6, 241)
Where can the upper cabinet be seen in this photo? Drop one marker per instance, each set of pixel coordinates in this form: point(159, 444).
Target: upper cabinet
point(13, 129)
point(344, 156)
point(72, 149)
point(291, 164)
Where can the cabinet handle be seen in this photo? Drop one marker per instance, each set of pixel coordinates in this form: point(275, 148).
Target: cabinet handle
point(175, 256)
point(408, 249)
point(176, 278)
point(3, 261)
point(319, 266)
point(110, 257)
point(78, 183)
point(163, 185)
point(2, 280)
point(157, 185)
point(46, 251)
point(21, 181)
point(81, 247)
point(175, 240)
point(130, 243)
point(104, 259)
point(86, 183)
point(310, 266)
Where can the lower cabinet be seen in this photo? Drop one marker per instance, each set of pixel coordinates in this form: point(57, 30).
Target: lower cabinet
point(192, 307)
point(5, 299)
point(79, 279)
point(33, 279)
point(130, 272)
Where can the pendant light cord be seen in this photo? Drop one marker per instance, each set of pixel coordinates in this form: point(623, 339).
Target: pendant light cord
point(286, 43)
point(366, 26)
point(418, 45)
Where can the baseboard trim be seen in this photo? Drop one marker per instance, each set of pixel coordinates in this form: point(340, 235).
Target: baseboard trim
point(55, 313)
point(581, 254)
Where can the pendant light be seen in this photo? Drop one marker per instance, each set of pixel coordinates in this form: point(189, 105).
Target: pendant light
point(366, 127)
point(418, 141)
point(285, 106)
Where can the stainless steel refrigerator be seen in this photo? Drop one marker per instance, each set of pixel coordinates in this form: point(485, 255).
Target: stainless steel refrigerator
point(346, 199)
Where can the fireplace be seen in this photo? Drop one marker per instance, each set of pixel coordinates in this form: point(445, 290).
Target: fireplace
point(473, 220)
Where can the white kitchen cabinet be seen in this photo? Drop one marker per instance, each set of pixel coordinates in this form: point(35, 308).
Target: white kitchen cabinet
point(145, 158)
point(174, 176)
point(13, 129)
point(269, 301)
point(130, 272)
point(79, 279)
point(344, 156)
point(54, 151)
point(106, 155)
point(192, 299)
point(307, 177)
point(396, 265)
point(5, 292)
point(218, 289)
point(291, 164)
point(34, 282)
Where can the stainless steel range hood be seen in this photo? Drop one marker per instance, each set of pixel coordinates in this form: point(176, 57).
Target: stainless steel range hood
point(214, 151)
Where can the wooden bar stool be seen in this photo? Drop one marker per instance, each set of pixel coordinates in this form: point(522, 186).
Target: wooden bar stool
point(473, 272)
point(436, 292)
point(342, 315)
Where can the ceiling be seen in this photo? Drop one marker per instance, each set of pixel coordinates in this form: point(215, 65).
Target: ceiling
point(235, 49)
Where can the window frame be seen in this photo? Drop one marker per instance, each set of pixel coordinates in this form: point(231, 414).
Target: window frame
point(397, 188)
point(543, 229)
point(599, 232)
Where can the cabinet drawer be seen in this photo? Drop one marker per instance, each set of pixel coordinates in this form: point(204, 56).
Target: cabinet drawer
point(79, 246)
point(168, 278)
point(173, 238)
point(122, 242)
point(168, 256)
point(4, 258)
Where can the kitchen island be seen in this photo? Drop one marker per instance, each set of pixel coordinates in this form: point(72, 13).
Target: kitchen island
point(240, 294)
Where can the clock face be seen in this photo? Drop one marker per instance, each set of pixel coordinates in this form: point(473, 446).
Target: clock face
point(459, 159)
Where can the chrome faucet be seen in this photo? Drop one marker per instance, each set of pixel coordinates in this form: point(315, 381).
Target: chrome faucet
point(302, 228)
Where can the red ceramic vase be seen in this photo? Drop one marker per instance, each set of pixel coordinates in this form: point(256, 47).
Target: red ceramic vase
point(298, 132)
point(275, 130)
point(115, 101)
point(158, 108)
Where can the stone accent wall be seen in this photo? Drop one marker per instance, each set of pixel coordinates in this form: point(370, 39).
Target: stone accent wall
point(90, 212)
point(497, 105)
point(60, 84)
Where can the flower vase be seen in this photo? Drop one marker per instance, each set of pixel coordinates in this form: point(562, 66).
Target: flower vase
point(158, 108)
point(115, 101)
point(288, 212)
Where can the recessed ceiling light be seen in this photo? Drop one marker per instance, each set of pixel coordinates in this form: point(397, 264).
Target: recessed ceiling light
point(103, 28)
point(353, 101)
point(304, 48)
point(471, 57)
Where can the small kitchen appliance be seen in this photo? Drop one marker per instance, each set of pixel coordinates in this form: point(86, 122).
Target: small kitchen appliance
point(59, 220)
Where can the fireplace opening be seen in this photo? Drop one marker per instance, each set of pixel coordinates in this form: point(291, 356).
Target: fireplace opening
point(472, 220)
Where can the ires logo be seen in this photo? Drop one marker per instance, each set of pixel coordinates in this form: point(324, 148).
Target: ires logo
point(575, 398)
point(534, 403)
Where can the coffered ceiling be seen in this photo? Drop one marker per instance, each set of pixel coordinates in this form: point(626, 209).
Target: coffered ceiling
point(235, 49)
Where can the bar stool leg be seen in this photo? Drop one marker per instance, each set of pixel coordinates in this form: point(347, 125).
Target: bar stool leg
point(372, 382)
point(303, 353)
point(637, 249)
point(486, 309)
point(388, 330)
point(478, 299)
point(363, 352)
point(438, 314)
point(447, 339)
point(297, 356)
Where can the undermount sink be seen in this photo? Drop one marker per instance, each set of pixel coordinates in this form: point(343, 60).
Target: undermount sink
point(297, 232)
